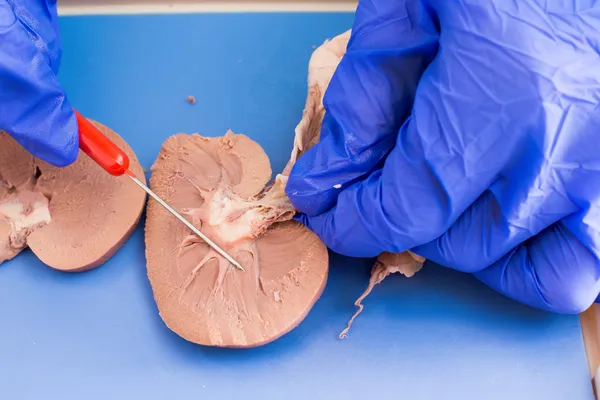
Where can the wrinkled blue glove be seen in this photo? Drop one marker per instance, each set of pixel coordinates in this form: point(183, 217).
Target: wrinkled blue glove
point(467, 131)
point(33, 107)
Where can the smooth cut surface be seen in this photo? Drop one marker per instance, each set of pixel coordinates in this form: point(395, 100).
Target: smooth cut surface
point(217, 184)
point(73, 218)
point(98, 335)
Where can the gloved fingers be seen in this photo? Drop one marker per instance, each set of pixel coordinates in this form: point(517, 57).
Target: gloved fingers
point(446, 154)
point(404, 204)
point(368, 99)
point(489, 229)
point(553, 271)
point(33, 107)
point(467, 130)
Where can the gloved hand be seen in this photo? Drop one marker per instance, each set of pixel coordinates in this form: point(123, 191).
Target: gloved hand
point(33, 107)
point(466, 131)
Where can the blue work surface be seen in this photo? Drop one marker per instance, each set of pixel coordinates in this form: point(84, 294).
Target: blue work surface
point(98, 335)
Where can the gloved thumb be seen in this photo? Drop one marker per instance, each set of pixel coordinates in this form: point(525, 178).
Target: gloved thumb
point(536, 260)
point(34, 109)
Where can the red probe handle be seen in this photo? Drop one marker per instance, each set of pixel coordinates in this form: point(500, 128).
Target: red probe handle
point(100, 149)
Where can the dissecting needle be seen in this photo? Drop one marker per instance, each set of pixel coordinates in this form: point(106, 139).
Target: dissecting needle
point(116, 162)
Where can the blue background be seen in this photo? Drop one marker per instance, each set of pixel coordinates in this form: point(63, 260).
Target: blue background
point(98, 335)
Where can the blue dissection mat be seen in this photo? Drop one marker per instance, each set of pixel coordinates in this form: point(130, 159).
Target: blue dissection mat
point(98, 335)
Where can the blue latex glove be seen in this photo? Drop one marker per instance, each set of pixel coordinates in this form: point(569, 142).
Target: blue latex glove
point(33, 107)
point(467, 131)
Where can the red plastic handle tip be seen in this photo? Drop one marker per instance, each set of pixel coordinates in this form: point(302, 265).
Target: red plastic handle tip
point(100, 148)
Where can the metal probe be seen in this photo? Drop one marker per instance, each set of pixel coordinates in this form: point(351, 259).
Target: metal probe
point(186, 222)
point(116, 162)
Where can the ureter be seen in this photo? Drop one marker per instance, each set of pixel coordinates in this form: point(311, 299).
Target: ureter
point(377, 275)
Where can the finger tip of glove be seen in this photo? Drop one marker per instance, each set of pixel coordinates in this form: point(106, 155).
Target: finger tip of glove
point(60, 156)
point(296, 191)
point(63, 150)
point(301, 218)
point(308, 198)
point(68, 157)
point(319, 225)
point(308, 222)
